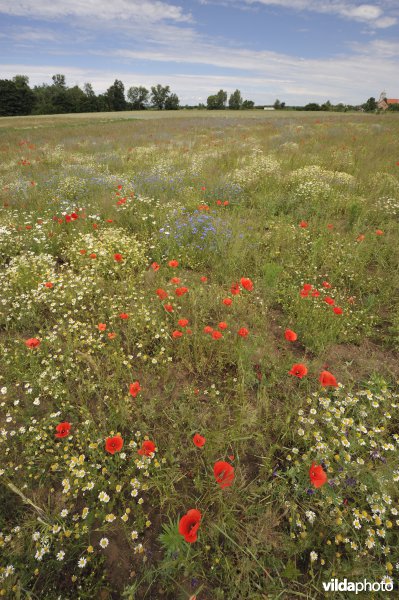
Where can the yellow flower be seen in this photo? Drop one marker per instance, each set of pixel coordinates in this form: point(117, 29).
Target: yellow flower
point(90, 549)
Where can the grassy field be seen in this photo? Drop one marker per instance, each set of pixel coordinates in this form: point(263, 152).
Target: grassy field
point(228, 275)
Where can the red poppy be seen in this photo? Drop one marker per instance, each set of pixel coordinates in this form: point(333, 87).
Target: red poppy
point(298, 370)
point(307, 287)
point(326, 284)
point(327, 379)
point(227, 301)
point(114, 444)
point(155, 266)
point(204, 279)
point(224, 474)
point(219, 202)
point(330, 226)
point(95, 225)
point(123, 316)
point(49, 285)
point(161, 294)
point(315, 293)
point(304, 293)
point(62, 429)
point(74, 216)
point(247, 284)
point(337, 310)
point(177, 334)
point(181, 291)
point(189, 525)
point(290, 335)
point(198, 440)
point(243, 332)
point(173, 263)
point(317, 475)
point(216, 335)
point(134, 389)
point(93, 255)
point(102, 326)
point(118, 257)
point(208, 329)
point(183, 322)
point(147, 448)
point(303, 224)
point(68, 218)
point(111, 336)
point(83, 251)
point(360, 237)
point(120, 187)
point(32, 343)
point(222, 325)
point(175, 280)
point(168, 307)
point(226, 203)
point(329, 300)
point(109, 221)
point(379, 232)
point(235, 289)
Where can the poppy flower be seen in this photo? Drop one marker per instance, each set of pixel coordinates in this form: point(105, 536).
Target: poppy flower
point(315, 293)
point(317, 475)
point(243, 332)
point(298, 370)
point(327, 379)
point(74, 216)
point(62, 429)
point(227, 301)
point(173, 263)
point(235, 289)
point(123, 316)
point(204, 279)
point(68, 218)
point(168, 307)
point(134, 389)
point(226, 203)
point(111, 336)
point(247, 284)
point(102, 326)
point(161, 294)
point(303, 224)
point(181, 291)
point(304, 293)
point(199, 440)
point(326, 284)
point(93, 255)
point(32, 343)
point(219, 202)
point(183, 322)
point(330, 226)
point(360, 237)
point(337, 310)
point(329, 300)
point(175, 280)
point(82, 251)
point(208, 329)
point(216, 335)
point(224, 474)
point(114, 444)
point(49, 285)
point(307, 287)
point(290, 335)
point(147, 448)
point(118, 257)
point(109, 221)
point(222, 325)
point(379, 232)
point(120, 187)
point(189, 525)
point(155, 266)
point(177, 334)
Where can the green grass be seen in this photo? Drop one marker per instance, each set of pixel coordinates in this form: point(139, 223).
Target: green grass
point(223, 194)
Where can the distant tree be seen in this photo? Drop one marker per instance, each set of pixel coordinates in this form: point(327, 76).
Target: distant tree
point(59, 80)
point(159, 95)
point(103, 103)
point(90, 102)
point(247, 104)
point(312, 106)
point(138, 96)
point(116, 96)
point(218, 101)
point(235, 100)
point(393, 107)
point(16, 97)
point(327, 106)
point(340, 107)
point(172, 102)
point(370, 105)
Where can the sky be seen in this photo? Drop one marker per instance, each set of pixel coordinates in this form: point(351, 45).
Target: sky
point(298, 51)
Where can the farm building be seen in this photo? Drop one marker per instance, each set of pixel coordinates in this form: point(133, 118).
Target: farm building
point(385, 102)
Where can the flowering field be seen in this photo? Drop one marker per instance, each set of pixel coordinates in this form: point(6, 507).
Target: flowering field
point(199, 380)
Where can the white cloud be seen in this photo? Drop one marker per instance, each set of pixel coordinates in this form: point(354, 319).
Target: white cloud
point(103, 10)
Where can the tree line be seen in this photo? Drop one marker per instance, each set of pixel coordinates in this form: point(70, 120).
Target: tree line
point(18, 98)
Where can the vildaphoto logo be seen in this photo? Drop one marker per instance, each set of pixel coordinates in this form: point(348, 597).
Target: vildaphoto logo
point(335, 585)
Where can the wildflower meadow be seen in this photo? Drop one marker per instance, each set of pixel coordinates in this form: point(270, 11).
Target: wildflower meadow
point(199, 376)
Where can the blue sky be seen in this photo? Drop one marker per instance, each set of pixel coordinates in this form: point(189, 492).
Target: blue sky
point(296, 50)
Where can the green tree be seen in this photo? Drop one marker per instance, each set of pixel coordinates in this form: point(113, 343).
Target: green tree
point(370, 105)
point(116, 96)
point(327, 106)
point(89, 102)
point(218, 101)
point(138, 96)
point(59, 80)
point(159, 95)
point(312, 106)
point(247, 104)
point(172, 102)
point(235, 100)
